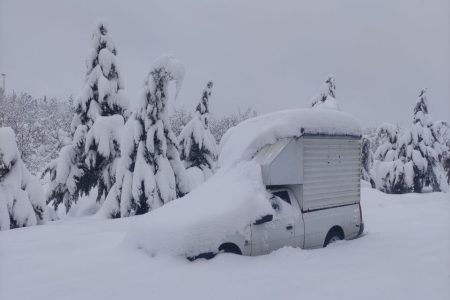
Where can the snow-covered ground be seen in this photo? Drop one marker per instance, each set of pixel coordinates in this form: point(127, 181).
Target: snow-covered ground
point(404, 254)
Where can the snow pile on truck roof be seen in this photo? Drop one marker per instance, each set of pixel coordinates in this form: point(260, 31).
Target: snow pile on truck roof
point(224, 205)
point(241, 142)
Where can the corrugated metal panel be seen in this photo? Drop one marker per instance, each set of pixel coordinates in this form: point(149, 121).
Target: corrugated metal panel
point(331, 168)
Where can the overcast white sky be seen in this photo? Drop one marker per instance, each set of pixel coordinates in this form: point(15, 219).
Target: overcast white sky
point(270, 55)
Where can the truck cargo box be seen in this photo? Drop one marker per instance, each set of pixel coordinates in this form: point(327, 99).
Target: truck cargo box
point(321, 170)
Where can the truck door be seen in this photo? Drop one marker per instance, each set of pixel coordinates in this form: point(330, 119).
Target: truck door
point(279, 232)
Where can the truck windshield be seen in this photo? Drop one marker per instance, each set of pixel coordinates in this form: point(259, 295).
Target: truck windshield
point(283, 195)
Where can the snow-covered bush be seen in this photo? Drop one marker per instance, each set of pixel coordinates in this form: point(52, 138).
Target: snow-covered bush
point(21, 195)
point(393, 177)
point(198, 146)
point(150, 172)
point(326, 98)
point(89, 162)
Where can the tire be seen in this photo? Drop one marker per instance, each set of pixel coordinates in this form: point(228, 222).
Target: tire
point(335, 234)
point(230, 248)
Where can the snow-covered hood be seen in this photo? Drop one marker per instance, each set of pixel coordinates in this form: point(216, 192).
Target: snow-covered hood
point(200, 221)
point(241, 142)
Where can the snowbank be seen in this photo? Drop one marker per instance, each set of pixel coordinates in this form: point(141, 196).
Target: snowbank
point(224, 205)
point(404, 254)
point(244, 140)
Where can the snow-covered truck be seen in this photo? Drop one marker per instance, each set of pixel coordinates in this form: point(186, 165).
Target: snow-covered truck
point(289, 178)
point(315, 192)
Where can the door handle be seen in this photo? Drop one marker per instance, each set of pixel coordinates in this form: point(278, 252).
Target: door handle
point(289, 227)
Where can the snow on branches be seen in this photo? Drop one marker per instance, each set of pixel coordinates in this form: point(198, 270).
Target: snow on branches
point(21, 195)
point(150, 172)
point(412, 161)
point(198, 145)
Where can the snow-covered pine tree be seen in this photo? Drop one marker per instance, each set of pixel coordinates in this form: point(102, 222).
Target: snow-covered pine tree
point(326, 98)
point(198, 145)
point(150, 172)
point(21, 195)
point(100, 111)
point(416, 147)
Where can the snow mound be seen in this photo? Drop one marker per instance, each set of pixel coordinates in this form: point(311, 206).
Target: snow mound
point(241, 142)
point(224, 205)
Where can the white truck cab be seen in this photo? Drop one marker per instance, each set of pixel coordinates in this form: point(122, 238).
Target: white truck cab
point(289, 226)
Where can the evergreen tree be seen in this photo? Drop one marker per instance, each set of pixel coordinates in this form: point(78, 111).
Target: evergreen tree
point(90, 160)
point(150, 172)
point(416, 146)
point(326, 98)
point(198, 146)
point(21, 195)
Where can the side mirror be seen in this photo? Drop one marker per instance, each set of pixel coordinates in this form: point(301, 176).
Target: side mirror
point(262, 220)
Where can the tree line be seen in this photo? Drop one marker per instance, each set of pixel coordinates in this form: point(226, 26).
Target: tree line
point(416, 159)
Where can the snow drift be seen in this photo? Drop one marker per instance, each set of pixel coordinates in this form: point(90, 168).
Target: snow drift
point(225, 204)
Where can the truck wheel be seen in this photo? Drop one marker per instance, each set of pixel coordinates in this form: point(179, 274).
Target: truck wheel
point(335, 234)
point(230, 248)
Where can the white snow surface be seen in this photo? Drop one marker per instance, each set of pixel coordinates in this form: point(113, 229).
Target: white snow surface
point(225, 204)
point(241, 142)
point(404, 254)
